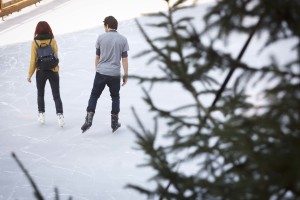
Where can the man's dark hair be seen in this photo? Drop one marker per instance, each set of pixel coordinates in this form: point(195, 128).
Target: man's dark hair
point(111, 22)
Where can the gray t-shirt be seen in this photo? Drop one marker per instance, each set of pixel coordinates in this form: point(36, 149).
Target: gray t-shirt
point(111, 45)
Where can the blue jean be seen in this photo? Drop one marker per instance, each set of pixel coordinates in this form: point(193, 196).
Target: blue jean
point(41, 79)
point(113, 83)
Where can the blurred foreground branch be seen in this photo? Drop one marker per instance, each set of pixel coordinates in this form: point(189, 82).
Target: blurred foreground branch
point(37, 193)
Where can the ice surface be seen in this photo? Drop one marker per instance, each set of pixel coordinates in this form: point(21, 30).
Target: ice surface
point(96, 164)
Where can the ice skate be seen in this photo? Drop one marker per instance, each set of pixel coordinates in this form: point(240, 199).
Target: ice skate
point(114, 122)
point(88, 122)
point(41, 117)
point(60, 119)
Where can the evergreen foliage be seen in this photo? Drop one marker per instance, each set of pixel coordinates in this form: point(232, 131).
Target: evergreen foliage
point(238, 149)
point(37, 194)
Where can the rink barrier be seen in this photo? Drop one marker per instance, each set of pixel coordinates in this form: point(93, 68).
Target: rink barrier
point(7, 7)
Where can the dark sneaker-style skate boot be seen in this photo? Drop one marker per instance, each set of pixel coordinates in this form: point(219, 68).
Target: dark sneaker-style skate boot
point(88, 121)
point(114, 122)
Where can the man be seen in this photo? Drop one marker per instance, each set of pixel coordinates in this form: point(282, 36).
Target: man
point(111, 49)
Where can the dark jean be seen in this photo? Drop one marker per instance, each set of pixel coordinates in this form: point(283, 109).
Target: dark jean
point(113, 83)
point(41, 79)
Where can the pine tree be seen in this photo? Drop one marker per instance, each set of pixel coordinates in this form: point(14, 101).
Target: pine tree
point(238, 150)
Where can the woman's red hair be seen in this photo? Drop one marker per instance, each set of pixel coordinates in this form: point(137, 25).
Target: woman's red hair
point(43, 28)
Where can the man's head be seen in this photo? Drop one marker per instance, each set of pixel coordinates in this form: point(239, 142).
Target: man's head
point(111, 22)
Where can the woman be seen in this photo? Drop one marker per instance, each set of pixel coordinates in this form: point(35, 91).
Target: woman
point(42, 36)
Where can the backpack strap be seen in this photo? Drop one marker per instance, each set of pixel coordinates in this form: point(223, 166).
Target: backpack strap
point(43, 43)
point(36, 43)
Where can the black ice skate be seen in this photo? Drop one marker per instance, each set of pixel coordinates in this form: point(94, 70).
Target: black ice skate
point(88, 122)
point(114, 122)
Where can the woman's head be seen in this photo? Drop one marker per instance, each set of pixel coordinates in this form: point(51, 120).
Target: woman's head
point(111, 22)
point(43, 28)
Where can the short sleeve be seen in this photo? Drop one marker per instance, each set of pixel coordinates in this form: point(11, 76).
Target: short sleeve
point(97, 45)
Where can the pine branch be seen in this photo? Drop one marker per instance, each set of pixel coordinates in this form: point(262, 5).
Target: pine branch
point(234, 150)
point(230, 73)
point(37, 193)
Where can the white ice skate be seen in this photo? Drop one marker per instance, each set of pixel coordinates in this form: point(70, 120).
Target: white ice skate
point(60, 118)
point(41, 117)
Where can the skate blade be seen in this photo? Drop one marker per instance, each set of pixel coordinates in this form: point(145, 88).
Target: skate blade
point(114, 130)
point(84, 130)
point(61, 124)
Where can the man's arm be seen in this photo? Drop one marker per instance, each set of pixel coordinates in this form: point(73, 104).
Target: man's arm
point(125, 67)
point(97, 61)
point(97, 57)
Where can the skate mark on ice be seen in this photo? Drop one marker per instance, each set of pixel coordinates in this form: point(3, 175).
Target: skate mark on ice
point(11, 106)
point(34, 139)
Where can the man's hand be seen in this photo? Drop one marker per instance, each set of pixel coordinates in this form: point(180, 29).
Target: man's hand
point(125, 78)
point(29, 79)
